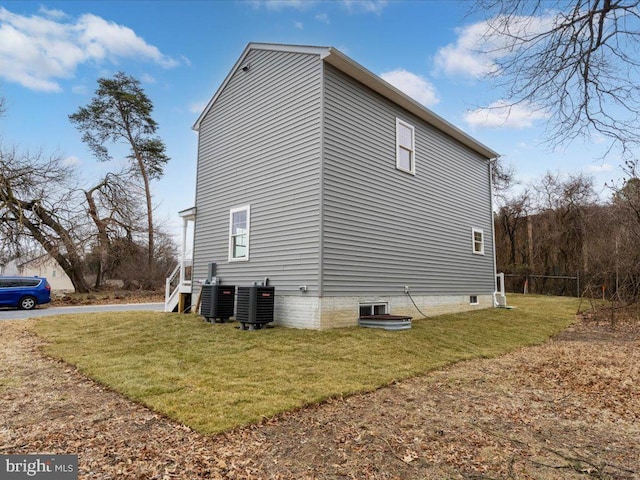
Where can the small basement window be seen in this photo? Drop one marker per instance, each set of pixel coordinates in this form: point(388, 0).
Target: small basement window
point(473, 300)
point(373, 309)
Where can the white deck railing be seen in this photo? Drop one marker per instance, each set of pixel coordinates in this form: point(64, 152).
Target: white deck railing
point(175, 284)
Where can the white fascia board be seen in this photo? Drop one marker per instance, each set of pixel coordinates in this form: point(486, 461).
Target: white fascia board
point(279, 47)
point(377, 84)
point(321, 51)
point(188, 213)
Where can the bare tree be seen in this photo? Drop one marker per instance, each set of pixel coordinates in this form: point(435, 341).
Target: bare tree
point(575, 59)
point(544, 230)
point(38, 201)
point(510, 246)
point(503, 178)
point(113, 206)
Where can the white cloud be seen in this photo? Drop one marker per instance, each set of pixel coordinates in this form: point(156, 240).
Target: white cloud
point(605, 167)
point(185, 61)
point(475, 52)
point(198, 107)
point(462, 58)
point(353, 6)
point(80, 89)
point(365, 6)
point(282, 4)
point(39, 50)
point(148, 79)
point(502, 115)
point(416, 86)
point(103, 39)
point(71, 161)
point(323, 17)
point(52, 13)
point(298, 25)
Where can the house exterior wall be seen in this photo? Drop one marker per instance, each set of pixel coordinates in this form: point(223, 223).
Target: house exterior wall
point(10, 268)
point(313, 153)
point(47, 267)
point(259, 145)
point(384, 228)
point(343, 311)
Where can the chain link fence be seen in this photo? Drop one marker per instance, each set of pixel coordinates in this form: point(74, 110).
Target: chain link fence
point(560, 285)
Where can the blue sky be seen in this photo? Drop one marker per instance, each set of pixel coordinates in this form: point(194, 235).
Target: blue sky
point(52, 53)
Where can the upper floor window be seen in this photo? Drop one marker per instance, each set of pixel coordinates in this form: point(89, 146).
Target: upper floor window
point(239, 220)
point(478, 241)
point(405, 147)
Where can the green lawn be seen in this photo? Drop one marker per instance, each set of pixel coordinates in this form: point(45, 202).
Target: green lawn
point(216, 377)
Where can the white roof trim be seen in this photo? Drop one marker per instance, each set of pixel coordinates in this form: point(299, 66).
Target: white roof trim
point(377, 84)
point(345, 64)
point(188, 213)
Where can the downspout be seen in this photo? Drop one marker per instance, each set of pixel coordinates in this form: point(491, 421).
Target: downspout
point(321, 192)
point(492, 161)
point(193, 240)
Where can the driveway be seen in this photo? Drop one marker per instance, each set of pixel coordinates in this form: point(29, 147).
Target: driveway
point(7, 314)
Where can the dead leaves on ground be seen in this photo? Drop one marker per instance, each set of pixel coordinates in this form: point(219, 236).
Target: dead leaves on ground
point(567, 409)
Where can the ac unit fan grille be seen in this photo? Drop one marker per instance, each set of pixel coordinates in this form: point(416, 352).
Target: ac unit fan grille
point(255, 306)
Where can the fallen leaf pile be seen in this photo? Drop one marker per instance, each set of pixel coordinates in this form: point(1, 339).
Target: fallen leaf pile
point(567, 409)
point(107, 297)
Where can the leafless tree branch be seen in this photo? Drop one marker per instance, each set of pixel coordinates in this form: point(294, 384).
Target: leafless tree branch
point(577, 59)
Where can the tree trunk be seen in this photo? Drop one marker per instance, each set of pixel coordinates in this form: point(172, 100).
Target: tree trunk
point(147, 192)
point(103, 237)
point(71, 263)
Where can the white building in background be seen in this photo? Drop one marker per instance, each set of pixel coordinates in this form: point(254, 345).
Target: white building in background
point(42, 266)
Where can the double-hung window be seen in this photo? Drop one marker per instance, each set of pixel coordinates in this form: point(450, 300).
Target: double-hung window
point(405, 147)
point(477, 237)
point(239, 219)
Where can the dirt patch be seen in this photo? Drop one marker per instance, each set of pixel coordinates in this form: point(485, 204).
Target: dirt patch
point(606, 323)
point(566, 409)
point(107, 297)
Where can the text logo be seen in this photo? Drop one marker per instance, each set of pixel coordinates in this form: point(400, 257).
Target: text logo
point(39, 467)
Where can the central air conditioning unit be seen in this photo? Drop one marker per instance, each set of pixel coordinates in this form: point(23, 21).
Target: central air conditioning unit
point(255, 306)
point(217, 301)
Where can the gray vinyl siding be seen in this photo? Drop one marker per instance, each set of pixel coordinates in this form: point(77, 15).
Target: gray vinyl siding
point(384, 228)
point(259, 145)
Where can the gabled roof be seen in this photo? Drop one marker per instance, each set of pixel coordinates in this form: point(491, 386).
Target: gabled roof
point(348, 66)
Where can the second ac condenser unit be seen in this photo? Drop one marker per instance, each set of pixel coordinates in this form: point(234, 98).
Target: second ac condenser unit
point(255, 306)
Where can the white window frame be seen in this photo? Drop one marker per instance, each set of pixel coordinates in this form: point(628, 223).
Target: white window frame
point(245, 208)
point(474, 242)
point(373, 305)
point(412, 152)
point(473, 300)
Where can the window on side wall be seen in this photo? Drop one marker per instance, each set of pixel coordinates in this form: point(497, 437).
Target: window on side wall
point(239, 219)
point(405, 147)
point(477, 237)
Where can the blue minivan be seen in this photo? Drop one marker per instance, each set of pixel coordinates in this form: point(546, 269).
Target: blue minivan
point(24, 292)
